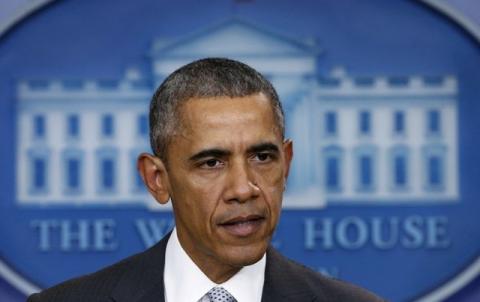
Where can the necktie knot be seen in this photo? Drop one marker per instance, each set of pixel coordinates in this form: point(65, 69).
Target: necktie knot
point(219, 294)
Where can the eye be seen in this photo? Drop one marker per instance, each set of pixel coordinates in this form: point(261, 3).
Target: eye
point(211, 164)
point(262, 157)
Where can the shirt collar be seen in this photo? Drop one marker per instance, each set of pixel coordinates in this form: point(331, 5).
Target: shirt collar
point(185, 282)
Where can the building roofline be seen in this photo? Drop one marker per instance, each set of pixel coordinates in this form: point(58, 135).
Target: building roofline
point(303, 46)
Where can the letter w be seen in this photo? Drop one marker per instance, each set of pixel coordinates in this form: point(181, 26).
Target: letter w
point(152, 230)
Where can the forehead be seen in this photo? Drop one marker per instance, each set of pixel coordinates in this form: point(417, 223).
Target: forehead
point(228, 118)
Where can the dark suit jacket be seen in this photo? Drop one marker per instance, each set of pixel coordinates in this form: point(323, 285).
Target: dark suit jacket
point(140, 278)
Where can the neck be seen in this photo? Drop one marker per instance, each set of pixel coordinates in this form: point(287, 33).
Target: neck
point(213, 268)
point(217, 274)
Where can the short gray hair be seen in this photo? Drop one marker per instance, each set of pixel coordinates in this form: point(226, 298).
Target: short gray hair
point(205, 78)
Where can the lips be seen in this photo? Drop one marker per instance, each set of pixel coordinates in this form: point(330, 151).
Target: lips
point(243, 226)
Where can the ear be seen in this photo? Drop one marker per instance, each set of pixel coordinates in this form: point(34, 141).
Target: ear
point(288, 154)
point(155, 176)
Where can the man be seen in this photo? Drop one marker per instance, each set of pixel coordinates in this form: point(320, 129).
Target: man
point(217, 133)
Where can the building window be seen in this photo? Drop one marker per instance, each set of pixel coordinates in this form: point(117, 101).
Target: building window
point(38, 159)
point(333, 173)
point(73, 164)
point(39, 126)
point(39, 174)
point(332, 169)
point(435, 171)
point(400, 171)
point(365, 166)
point(73, 175)
point(399, 122)
point(107, 165)
point(365, 122)
point(142, 125)
point(434, 166)
point(107, 125)
point(330, 123)
point(399, 167)
point(433, 122)
point(73, 126)
point(108, 173)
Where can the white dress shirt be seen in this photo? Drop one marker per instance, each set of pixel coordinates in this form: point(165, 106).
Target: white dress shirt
point(185, 282)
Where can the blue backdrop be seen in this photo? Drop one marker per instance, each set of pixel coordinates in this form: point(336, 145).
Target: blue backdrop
point(76, 70)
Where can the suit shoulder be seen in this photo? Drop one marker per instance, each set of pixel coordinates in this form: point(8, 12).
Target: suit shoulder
point(99, 285)
point(322, 287)
point(91, 287)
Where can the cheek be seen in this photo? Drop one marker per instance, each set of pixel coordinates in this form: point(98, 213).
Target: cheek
point(272, 179)
point(202, 197)
point(207, 189)
point(271, 184)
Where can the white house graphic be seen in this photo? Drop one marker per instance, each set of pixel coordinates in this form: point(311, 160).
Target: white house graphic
point(364, 140)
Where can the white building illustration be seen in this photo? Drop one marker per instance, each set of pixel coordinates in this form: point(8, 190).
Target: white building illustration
point(377, 140)
point(365, 140)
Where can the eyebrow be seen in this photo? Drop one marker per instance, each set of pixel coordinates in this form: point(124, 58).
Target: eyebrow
point(262, 147)
point(214, 152)
point(218, 152)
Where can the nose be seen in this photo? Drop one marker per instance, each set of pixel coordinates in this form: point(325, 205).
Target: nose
point(241, 185)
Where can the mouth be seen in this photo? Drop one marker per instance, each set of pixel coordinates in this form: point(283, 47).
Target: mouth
point(243, 226)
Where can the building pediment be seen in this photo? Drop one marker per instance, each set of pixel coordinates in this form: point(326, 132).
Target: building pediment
point(234, 38)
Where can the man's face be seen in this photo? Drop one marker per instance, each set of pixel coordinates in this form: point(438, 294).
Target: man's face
point(227, 169)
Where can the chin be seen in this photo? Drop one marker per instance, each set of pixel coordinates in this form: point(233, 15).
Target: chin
point(245, 255)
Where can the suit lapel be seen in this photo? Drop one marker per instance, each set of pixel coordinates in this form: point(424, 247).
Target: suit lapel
point(143, 279)
point(282, 282)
